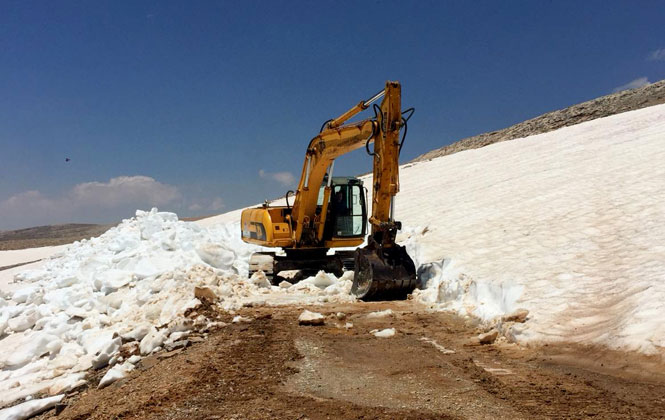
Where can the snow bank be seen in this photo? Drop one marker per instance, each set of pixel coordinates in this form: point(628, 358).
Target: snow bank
point(135, 283)
point(567, 224)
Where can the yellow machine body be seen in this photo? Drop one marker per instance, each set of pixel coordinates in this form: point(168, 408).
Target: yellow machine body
point(266, 226)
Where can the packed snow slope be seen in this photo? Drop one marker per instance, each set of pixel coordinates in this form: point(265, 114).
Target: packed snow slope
point(567, 224)
point(21, 256)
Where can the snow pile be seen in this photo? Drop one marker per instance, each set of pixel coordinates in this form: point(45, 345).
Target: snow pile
point(566, 224)
point(134, 284)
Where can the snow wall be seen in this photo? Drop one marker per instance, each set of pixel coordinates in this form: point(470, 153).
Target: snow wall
point(568, 224)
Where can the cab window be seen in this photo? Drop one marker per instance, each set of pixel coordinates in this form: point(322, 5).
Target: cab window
point(347, 203)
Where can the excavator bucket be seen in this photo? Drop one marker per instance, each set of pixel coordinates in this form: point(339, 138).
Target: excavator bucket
point(383, 273)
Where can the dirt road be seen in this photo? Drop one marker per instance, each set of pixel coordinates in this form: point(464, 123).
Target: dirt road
point(273, 368)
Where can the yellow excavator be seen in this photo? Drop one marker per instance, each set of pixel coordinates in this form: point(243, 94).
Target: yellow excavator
point(331, 212)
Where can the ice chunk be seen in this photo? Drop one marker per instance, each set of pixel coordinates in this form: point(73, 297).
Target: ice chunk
point(134, 359)
point(385, 333)
point(152, 340)
point(30, 408)
point(117, 372)
point(95, 340)
point(153, 266)
point(137, 333)
point(259, 279)
point(112, 280)
point(25, 320)
point(310, 318)
point(150, 226)
point(322, 280)
point(67, 383)
point(26, 295)
point(24, 348)
point(216, 255)
point(238, 318)
point(178, 335)
point(106, 351)
point(166, 239)
point(379, 314)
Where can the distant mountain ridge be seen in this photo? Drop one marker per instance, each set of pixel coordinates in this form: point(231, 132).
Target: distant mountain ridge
point(616, 103)
point(49, 235)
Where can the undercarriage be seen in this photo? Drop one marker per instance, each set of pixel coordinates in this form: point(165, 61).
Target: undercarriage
point(307, 262)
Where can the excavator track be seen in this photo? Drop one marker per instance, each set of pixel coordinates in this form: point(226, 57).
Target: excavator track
point(348, 259)
point(383, 273)
point(262, 261)
point(307, 262)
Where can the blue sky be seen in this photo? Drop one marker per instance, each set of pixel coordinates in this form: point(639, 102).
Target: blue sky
point(203, 107)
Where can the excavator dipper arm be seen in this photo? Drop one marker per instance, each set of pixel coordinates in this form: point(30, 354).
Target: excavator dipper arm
point(383, 269)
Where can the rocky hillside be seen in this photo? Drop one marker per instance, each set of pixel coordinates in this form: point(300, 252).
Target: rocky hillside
point(616, 103)
point(49, 235)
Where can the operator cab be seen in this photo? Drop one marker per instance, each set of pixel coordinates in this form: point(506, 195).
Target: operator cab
point(347, 212)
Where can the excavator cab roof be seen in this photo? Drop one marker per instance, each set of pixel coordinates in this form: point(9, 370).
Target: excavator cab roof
point(343, 180)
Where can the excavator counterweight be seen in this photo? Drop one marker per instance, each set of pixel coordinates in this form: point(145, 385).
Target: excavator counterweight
point(331, 212)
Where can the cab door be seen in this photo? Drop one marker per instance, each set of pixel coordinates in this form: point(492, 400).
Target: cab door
point(348, 211)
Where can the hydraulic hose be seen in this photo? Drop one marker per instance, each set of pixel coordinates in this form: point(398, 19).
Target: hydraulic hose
point(375, 127)
point(286, 197)
point(410, 111)
point(324, 125)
